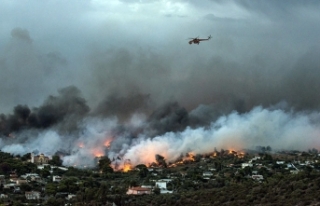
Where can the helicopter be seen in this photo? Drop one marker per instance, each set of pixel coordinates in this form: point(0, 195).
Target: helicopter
point(197, 40)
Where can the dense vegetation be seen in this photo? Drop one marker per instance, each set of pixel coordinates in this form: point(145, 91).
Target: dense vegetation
point(230, 185)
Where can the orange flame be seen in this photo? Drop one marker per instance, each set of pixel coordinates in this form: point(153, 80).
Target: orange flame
point(189, 157)
point(231, 151)
point(107, 143)
point(97, 153)
point(127, 166)
point(241, 154)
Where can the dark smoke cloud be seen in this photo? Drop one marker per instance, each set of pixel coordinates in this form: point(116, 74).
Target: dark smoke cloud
point(123, 107)
point(69, 106)
point(302, 83)
point(170, 117)
point(21, 35)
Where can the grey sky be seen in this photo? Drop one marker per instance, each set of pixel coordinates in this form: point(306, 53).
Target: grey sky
point(258, 52)
point(127, 55)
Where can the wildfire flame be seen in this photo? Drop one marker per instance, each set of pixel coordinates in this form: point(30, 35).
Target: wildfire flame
point(107, 143)
point(189, 157)
point(97, 153)
point(127, 168)
point(241, 154)
point(127, 165)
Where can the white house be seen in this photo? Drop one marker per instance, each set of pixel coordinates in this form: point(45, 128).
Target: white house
point(162, 185)
point(3, 196)
point(56, 178)
point(147, 186)
point(33, 195)
point(257, 177)
point(62, 168)
point(70, 196)
point(41, 167)
point(9, 185)
point(207, 174)
point(243, 165)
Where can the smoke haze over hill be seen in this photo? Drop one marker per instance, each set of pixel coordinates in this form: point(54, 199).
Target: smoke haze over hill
point(120, 79)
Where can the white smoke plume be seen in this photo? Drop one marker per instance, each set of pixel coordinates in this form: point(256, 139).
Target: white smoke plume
point(276, 128)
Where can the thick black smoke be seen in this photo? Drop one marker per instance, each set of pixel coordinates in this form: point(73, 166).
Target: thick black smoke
point(67, 107)
point(170, 117)
point(123, 107)
point(66, 111)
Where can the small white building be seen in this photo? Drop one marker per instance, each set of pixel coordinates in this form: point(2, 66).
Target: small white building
point(154, 174)
point(9, 186)
point(33, 195)
point(56, 178)
point(147, 186)
point(31, 176)
point(3, 196)
point(70, 196)
point(162, 185)
point(243, 165)
point(41, 167)
point(255, 158)
point(257, 177)
point(207, 174)
point(63, 168)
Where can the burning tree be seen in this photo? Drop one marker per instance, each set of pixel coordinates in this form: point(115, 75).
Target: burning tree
point(161, 161)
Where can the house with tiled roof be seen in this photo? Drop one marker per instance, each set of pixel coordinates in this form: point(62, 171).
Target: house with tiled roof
point(138, 191)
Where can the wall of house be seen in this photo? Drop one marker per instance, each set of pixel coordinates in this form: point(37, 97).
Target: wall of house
point(162, 185)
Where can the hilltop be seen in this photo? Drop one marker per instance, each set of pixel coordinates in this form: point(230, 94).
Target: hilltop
point(224, 177)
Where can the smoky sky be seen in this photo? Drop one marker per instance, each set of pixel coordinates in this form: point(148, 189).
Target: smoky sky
point(261, 52)
point(62, 63)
